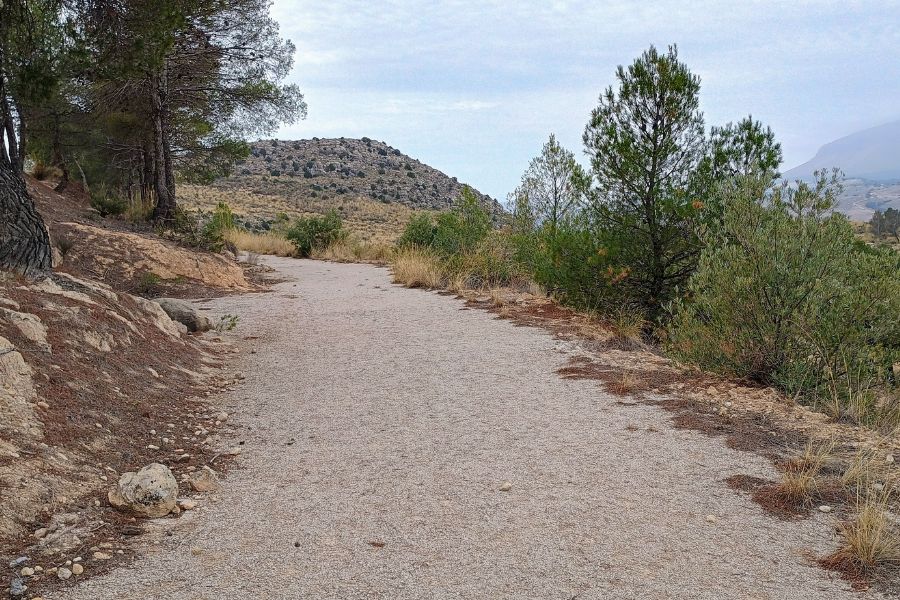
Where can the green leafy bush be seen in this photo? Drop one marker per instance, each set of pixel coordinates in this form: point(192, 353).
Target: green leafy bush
point(453, 233)
point(462, 229)
point(419, 232)
point(106, 202)
point(787, 296)
point(316, 233)
point(572, 263)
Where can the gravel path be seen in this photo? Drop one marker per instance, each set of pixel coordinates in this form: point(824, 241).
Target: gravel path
point(380, 424)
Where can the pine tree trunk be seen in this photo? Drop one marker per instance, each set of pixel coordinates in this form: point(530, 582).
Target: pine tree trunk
point(58, 159)
point(163, 173)
point(24, 241)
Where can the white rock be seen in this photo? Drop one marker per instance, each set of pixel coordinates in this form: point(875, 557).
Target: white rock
point(77, 569)
point(712, 519)
point(151, 492)
point(63, 573)
point(102, 556)
point(187, 504)
point(505, 486)
point(26, 572)
point(825, 508)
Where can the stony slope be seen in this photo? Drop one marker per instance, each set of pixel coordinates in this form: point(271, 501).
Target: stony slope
point(344, 168)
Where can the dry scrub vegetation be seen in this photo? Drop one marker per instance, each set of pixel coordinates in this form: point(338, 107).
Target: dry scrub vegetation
point(260, 243)
point(370, 221)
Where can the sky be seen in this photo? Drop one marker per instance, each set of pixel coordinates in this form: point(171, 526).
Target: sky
point(475, 88)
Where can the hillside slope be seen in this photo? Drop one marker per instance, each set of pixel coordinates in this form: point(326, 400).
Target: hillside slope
point(870, 161)
point(872, 154)
point(335, 169)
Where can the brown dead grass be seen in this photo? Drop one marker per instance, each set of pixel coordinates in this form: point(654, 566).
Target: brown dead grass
point(260, 243)
point(353, 250)
point(870, 545)
point(417, 268)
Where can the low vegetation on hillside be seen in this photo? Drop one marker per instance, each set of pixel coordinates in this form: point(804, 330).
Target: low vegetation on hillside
point(340, 169)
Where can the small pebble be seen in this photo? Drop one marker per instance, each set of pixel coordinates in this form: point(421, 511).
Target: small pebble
point(712, 519)
point(26, 572)
point(77, 569)
point(505, 486)
point(63, 573)
point(102, 556)
point(17, 588)
point(187, 504)
point(825, 508)
point(889, 459)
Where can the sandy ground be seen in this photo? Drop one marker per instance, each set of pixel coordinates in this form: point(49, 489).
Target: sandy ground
point(380, 424)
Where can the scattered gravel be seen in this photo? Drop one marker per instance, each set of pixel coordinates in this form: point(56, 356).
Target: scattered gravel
point(380, 424)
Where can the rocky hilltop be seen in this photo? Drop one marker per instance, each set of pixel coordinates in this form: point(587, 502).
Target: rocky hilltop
point(345, 168)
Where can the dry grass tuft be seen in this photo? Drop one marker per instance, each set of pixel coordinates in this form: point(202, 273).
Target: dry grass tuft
point(417, 268)
point(628, 384)
point(260, 243)
point(871, 539)
point(797, 488)
point(800, 483)
point(815, 457)
point(351, 250)
point(498, 298)
point(459, 282)
point(534, 288)
point(628, 325)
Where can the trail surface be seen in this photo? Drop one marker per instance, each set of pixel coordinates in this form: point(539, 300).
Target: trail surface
point(380, 424)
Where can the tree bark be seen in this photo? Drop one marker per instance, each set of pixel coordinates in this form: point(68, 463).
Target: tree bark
point(24, 241)
point(23, 136)
point(8, 127)
point(58, 159)
point(163, 172)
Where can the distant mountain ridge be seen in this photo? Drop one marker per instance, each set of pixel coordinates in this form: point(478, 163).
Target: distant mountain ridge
point(872, 154)
point(870, 161)
point(344, 168)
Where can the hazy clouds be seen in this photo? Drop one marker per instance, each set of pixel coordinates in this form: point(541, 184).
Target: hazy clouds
point(474, 88)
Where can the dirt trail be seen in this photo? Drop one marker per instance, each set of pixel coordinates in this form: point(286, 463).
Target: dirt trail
point(379, 425)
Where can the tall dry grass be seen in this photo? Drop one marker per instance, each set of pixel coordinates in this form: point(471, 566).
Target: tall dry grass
point(417, 268)
point(352, 250)
point(260, 243)
point(870, 538)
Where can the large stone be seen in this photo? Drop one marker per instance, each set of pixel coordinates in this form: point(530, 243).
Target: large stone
point(151, 492)
point(184, 313)
point(204, 481)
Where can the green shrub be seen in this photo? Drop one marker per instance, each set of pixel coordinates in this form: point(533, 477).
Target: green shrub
point(419, 232)
point(462, 229)
point(571, 262)
point(106, 202)
point(212, 235)
point(316, 233)
point(786, 295)
point(491, 264)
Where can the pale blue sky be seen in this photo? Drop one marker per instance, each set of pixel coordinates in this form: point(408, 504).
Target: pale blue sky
point(475, 88)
